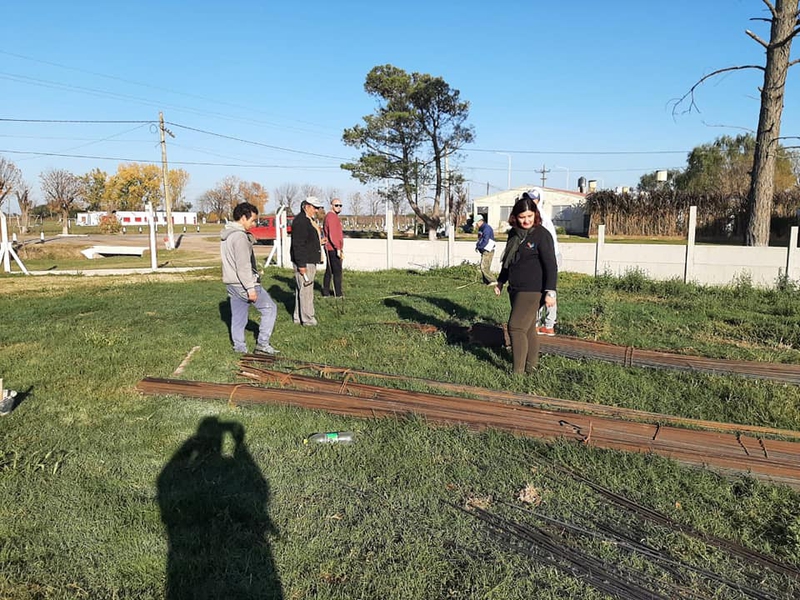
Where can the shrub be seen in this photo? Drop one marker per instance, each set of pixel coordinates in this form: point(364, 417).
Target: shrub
point(109, 224)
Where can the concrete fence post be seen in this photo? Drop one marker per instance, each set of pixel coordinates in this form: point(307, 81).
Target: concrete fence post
point(688, 267)
point(792, 255)
point(389, 236)
point(598, 251)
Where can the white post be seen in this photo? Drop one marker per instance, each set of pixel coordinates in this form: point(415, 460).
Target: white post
point(152, 223)
point(7, 249)
point(791, 255)
point(280, 234)
point(688, 270)
point(4, 244)
point(451, 245)
point(598, 251)
point(389, 235)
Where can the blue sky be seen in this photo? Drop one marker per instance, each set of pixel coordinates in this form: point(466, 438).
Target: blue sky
point(582, 88)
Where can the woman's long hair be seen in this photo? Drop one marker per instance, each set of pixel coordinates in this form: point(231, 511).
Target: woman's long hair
point(522, 205)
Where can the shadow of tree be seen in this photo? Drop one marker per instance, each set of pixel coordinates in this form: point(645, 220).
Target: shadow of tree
point(214, 506)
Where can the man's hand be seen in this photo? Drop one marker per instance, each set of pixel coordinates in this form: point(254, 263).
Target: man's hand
point(340, 254)
point(301, 270)
point(498, 289)
point(252, 296)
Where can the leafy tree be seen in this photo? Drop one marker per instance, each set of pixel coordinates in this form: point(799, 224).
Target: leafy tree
point(63, 192)
point(231, 191)
point(420, 120)
point(254, 193)
point(94, 188)
point(649, 181)
point(132, 186)
point(10, 179)
point(725, 166)
point(784, 26)
point(177, 180)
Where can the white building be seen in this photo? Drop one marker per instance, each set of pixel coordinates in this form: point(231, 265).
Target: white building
point(129, 218)
point(564, 207)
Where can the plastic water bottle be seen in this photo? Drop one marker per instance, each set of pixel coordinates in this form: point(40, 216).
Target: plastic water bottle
point(331, 437)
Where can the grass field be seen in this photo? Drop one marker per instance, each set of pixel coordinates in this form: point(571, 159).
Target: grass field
point(105, 493)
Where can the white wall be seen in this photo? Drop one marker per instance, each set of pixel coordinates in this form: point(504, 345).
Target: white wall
point(714, 265)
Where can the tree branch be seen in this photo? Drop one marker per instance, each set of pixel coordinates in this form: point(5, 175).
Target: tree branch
point(794, 62)
point(771, 8)
point(756, 38)
point(690, 93)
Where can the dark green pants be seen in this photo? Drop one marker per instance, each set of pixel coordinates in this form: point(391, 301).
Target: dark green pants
point(522, 329)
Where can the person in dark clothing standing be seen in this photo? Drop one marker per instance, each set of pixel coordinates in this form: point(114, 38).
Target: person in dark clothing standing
point(334, 249)
point(529, 268)
point(485, 247)
point(306, 253)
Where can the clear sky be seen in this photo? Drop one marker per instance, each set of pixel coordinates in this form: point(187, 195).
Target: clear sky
point(582, 88)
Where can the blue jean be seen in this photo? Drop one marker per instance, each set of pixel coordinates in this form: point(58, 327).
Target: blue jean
point(240, 306)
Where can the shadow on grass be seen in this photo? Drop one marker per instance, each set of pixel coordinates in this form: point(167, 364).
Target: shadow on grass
point(214, 504)
point(283, 295)
point(484, 340)
point(225, 317)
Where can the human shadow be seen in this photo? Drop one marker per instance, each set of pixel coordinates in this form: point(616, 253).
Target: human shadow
point(486, 341)
point(214, 505)
point(225, 317)
point(283, 296)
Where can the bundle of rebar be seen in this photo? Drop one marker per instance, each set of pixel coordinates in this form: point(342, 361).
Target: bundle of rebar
point(252, 363)
point(774, 460)
point(628, 356)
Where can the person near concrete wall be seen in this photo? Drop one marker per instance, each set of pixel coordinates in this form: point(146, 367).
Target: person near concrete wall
point(242, 281)
point(485, 247)
point(530, 269)
point(334, 249)
point(306, 253)
point(547, 314)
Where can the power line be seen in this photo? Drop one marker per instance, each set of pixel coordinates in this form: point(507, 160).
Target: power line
point(244, 141)
point(174, 162)
point(579, 151)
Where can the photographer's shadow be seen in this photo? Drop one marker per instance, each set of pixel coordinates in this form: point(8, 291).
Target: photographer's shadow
point(214, 505)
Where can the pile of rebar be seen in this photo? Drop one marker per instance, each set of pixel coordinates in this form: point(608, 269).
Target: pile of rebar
point(628, 356)
point(774, 460)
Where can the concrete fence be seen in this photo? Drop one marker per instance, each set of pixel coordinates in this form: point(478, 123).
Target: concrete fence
point(703, 264)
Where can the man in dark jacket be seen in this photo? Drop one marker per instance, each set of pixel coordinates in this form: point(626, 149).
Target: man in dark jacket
point(306, 253)
point(485, 246)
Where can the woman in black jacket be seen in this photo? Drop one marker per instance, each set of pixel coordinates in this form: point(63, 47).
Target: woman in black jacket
point(529, 268)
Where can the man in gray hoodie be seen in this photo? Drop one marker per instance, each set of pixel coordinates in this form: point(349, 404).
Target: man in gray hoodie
point(240, 275)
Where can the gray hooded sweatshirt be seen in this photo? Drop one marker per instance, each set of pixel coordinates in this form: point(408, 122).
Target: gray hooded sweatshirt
point(238, 261)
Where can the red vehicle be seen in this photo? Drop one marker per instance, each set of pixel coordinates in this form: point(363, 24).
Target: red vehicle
point(265, 231)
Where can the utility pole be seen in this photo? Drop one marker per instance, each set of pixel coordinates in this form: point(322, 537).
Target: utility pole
point(165, 177)
point(446, 193)
point(544, 172)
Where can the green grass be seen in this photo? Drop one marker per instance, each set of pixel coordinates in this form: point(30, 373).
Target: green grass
point(96, 481)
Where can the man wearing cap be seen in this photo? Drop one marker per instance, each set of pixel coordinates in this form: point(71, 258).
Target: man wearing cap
point(547, 315)
point(334, 246)
point(485, 246)
point(306, 253)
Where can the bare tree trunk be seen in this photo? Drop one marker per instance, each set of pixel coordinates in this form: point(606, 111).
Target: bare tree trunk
point(762, 184)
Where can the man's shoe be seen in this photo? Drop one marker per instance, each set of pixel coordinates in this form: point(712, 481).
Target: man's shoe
point(548, 331)
point(266, 349)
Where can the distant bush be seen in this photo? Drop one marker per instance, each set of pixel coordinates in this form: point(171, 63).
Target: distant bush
point(109, 224)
